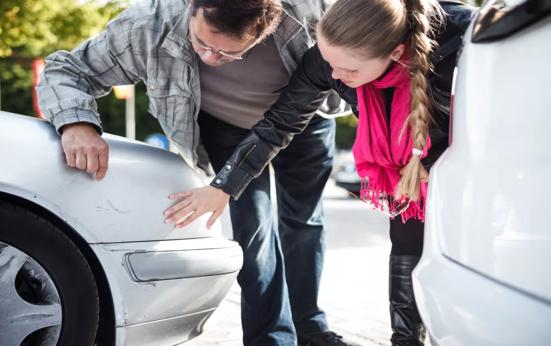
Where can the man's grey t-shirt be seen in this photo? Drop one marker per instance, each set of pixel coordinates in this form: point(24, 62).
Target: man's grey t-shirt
point(241, 91)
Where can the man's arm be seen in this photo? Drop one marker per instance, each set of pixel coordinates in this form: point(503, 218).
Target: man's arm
point(297, 104)
point(71, 82)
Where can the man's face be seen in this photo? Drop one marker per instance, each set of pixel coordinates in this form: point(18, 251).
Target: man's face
point(214, 47)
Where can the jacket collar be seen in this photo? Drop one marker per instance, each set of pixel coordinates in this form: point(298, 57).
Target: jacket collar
point(176, 42)
point(288, 28)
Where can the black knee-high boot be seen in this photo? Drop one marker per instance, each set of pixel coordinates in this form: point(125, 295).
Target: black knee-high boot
point(407, 326)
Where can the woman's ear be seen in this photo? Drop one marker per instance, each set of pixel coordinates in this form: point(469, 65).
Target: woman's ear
point(398, 52)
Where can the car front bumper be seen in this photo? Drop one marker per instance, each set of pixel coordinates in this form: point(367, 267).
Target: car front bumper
point(164, 291)
point(460, 306)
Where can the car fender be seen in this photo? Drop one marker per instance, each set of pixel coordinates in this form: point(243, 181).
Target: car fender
point(126, 206)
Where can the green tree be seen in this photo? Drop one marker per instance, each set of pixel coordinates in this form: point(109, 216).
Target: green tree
point(346, 131)
point(31, 28)
point(35, 28)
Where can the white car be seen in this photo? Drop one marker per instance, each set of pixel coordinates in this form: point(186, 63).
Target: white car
point(484, 277)
point(84, 262)
point(345, 174)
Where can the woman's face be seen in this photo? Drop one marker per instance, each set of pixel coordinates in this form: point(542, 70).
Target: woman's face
point(353, 69)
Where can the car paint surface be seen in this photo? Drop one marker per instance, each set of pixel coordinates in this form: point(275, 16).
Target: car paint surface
point(120, 218)
point(127, 205)
point(483, 277)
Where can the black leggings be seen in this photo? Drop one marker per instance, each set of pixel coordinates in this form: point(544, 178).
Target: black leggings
point(406, 238)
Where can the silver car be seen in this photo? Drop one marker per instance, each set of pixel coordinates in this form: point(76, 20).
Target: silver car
point(484, 275)
point(85, 262)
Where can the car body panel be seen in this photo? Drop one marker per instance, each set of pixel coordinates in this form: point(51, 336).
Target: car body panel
point(126, 206)
point(482, 278)
point(165, 298)
point(164, 282)
point(147, 266)
point(462, 307)
point(495, 214)
point(172, 331)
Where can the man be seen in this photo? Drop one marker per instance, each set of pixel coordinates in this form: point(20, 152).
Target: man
point(212, 68)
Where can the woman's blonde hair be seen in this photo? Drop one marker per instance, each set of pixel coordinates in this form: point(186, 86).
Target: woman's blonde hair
point(376, 28)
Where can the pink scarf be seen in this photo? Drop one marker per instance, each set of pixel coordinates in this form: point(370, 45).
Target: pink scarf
point(379, 154)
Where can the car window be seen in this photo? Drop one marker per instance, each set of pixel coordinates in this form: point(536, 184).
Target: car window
point(499, 19)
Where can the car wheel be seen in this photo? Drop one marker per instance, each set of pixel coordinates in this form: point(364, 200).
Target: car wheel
point(48, 295)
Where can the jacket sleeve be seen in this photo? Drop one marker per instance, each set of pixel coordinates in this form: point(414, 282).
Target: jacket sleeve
point(288, 117)
point(71, 81)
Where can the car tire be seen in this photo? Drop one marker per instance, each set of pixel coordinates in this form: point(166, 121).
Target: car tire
point(65, 273)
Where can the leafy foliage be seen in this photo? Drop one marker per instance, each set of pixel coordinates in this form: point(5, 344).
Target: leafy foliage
point(346, 131)
point(31, 28)
point(35, 28)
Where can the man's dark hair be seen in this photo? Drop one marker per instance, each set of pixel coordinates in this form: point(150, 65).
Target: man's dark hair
point(240, 18)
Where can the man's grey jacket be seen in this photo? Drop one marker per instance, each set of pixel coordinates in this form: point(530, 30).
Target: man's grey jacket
point(149, 42)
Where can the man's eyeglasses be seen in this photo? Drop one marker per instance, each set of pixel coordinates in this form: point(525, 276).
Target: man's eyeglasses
point(205, 51)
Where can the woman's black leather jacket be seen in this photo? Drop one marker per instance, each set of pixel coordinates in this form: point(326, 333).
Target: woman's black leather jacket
point(309, 86)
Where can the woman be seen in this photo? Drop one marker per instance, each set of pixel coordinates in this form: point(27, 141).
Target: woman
point(378, 56)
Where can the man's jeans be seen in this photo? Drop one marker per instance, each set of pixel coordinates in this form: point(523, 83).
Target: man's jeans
point(281, 270)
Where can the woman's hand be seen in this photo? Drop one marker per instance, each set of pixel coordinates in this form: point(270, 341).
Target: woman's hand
point(192, 204)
